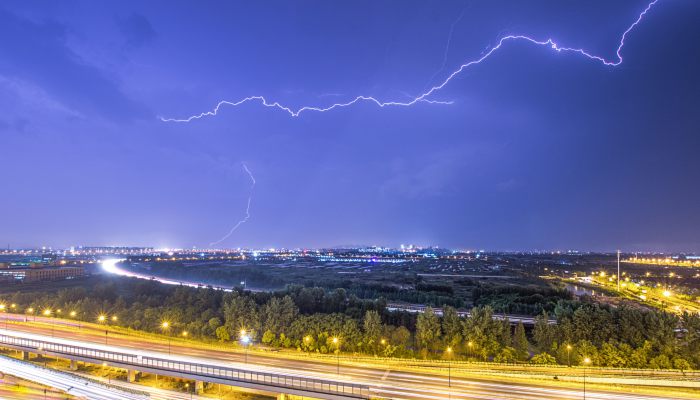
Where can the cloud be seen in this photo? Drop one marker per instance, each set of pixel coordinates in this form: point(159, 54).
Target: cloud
point(39, 63)
point(137, 30)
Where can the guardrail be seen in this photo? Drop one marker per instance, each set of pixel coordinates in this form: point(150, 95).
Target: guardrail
point(196, 370)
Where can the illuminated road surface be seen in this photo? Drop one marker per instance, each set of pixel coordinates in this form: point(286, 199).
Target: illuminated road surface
point(383, 382)
point(111, 267)
point(68, 383)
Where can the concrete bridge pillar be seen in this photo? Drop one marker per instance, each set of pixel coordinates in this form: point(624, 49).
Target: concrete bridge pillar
point(73, 365)
point(25, 355)
point(131, 375)
point(199, 387)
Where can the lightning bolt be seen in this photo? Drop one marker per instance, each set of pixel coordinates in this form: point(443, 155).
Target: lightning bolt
point(549, 43)
point(247, 210)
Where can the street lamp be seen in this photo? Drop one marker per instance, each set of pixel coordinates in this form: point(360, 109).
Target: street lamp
point(586, 361)
point(47, 314)
point(449, 366)
point(470, 344)
point(102, 319)
point(165, 327)
point(336, 342)
point(568, 354)
point(245, 339)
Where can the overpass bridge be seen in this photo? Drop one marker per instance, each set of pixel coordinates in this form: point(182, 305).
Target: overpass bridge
point(262, 379)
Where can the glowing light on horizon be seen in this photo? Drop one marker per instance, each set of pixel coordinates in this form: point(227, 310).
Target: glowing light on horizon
point(550, 43)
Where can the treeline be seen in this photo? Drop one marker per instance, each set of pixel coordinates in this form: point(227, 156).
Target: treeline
point(309, 319)
point(518, 299)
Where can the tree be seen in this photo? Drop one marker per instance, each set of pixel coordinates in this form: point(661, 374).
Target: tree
point(506, 355)
point(451, 326)
point(241, 313)
point(268, 337)
point(372, 325)
point(681, 364)
point(278, 314)
point(610, 356)
point(543, 333)
point(222, 334)
point(427, 328)
point(543, 359)
point(520, 342)
point(401, 337)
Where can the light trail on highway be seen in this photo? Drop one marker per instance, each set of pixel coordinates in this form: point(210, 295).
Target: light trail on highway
point(68, 383)
point(383, 382)
point(110, 266)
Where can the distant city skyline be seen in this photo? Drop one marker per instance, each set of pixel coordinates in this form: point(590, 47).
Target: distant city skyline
point(538, 149)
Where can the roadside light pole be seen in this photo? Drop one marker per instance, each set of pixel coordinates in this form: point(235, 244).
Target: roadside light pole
point(245, 339)
point(568, 355)
point(164, 326)
point(449, 366)
point(102, 319)
point(47, 314)
point(336, 342)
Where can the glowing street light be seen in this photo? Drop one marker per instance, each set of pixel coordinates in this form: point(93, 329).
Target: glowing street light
point(586, 361)
point(449, 366)
point(165, 327)
point(245, 339)
point(568, 354)
point(336, 342)
point(102, 319)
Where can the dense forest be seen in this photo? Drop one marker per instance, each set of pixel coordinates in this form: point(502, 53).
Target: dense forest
point(307, 319)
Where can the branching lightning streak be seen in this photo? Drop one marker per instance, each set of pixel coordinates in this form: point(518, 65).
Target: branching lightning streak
point(247, 210)
point(447, 47)
point(424, 97)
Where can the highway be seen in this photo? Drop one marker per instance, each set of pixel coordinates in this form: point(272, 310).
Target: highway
point(68, 383)
point(383, 382)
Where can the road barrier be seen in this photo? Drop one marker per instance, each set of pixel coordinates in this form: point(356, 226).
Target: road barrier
point(279, 383)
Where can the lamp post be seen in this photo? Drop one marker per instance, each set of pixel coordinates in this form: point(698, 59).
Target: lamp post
point(47, 314)
point(470, 344)
point(245, 339)
point(449, 366)
point(102, 319)
point(568, 355)
point(165, 327)
point(74, 314)
point(336, 342)
point(586, 361)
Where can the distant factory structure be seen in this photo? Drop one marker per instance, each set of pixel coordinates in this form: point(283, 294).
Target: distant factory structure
point(44, 268)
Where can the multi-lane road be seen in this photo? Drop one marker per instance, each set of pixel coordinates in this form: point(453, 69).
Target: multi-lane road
point(383, 381)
